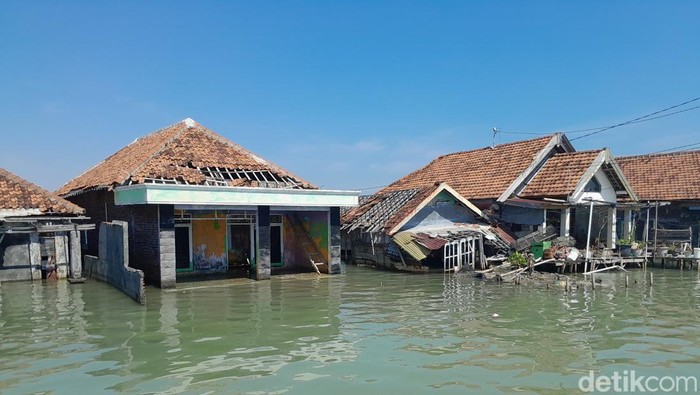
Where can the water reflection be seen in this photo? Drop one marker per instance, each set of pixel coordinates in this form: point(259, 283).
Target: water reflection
point(366, 332)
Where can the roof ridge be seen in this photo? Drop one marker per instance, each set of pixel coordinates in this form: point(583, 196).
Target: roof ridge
point(549, 136)
point(651, 155)
point(162, 147)
point(136, 140)
point(589, 151)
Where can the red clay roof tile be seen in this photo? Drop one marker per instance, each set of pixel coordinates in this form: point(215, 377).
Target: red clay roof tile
point(478, 174)
point(560, 174)
point(663, 177)
point(174, 153)
point(17, 193)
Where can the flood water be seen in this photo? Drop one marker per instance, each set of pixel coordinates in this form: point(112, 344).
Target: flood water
point(365, 332)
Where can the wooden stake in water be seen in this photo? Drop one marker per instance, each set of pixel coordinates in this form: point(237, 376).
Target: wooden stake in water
point(651, 278)
point(566, 284)
point(592, 281)
point(627, 281)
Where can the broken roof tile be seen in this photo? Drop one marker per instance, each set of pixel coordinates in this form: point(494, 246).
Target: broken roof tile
point(175, 153)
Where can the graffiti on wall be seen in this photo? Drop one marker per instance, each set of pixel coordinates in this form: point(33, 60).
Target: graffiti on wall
point(209, 244)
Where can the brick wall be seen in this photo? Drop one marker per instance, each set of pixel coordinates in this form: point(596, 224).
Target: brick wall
point(144, 237)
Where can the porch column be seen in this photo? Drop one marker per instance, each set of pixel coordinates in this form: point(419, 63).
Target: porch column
point(166, 214)
point(34, 256)
point(334, 245)
point(627, 225)
point(612, 225)
point(544, 221)
point(565, 220)
point(262, 264)
point(76, 256)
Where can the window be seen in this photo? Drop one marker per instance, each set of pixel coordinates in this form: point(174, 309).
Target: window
point(593, 186)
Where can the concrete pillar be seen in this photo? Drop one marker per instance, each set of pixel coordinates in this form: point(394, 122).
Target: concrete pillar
point(544, 221)
point(62, 255)
point(35, 256)
point(565, 220)
point(334, 245)
point(262, 264)
point(627, 225)
point(76, 256)
point(612, 226)
point(166, 219)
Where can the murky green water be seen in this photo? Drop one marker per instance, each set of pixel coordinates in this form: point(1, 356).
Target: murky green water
point(366, 332)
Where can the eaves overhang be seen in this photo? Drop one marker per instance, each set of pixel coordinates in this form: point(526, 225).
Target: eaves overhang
point(232, 196)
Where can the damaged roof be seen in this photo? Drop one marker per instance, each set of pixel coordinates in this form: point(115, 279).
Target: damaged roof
point(184, 153)
point(389, 211)
point(484, 173)
point(664, 177)
point(19, 194)
point(377, 210)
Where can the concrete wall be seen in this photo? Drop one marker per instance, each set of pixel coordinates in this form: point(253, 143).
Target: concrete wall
point(112, 266)
point(14, 258)
point(144, 230)
point(443, 211)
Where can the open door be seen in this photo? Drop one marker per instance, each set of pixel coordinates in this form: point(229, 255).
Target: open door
point(183, 248)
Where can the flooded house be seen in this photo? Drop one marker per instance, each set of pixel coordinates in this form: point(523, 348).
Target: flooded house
point(40, 232)
point(669, 183)
point(196, 203)
point(538, 186)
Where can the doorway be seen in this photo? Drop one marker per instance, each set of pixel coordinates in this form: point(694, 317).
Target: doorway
point(240, 245)
point(183, 248)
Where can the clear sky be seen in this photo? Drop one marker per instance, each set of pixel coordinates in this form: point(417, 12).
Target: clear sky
point(350, 94)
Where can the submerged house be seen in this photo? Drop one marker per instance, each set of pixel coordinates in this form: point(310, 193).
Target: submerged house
point(420, 229)
point(40, 233)
point(197, 203)
point(671, 183)
point(537, 185)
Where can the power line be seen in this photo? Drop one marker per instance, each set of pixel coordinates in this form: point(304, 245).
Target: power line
point(675, 148)
point(596, 130)
point(635, 120)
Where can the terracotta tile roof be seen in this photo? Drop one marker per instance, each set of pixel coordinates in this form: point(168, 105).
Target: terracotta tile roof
point(17, 193)
point(664, 177)
point(560, 175)
point(478, 174)
point(175, 153)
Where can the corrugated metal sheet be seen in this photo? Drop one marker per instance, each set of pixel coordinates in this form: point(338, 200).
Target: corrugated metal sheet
point(429, 242)
point(407, 242)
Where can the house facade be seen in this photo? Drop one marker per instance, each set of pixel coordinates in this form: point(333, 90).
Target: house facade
point(40, 233)
point(197, 203)
point(667, 183)
point(538, 185)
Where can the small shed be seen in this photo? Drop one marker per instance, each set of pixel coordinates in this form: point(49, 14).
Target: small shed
point(40, 232)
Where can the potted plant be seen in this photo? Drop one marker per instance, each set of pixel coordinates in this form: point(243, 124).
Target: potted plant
point(639, 248)
point(625, 247)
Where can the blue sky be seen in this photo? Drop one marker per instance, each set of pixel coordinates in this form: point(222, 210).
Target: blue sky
point(347, 94)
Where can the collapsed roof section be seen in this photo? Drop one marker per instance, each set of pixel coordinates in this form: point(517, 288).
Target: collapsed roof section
point(184, 153)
